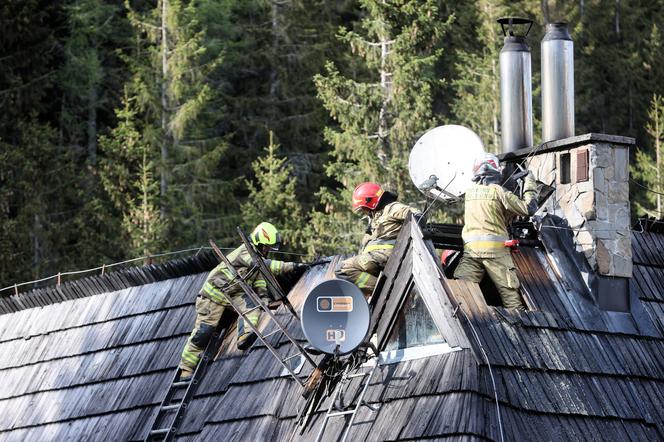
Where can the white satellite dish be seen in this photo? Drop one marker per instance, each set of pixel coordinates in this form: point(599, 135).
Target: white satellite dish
point(441, 162)
point(335, 317)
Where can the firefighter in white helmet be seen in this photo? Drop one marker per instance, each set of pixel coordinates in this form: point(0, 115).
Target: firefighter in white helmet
point(489, 208)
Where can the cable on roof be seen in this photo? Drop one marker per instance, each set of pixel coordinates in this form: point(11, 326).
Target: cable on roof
point(486, 358)
point(645, 187)
point(104, 267)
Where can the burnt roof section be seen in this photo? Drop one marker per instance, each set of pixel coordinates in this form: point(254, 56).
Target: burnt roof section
point(97, 367)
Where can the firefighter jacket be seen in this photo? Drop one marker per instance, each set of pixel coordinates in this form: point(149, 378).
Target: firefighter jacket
point(488, 211)
point(220, 284)
point(385, 226)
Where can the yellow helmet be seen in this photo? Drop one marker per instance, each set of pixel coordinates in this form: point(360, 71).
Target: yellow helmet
point(266, 234)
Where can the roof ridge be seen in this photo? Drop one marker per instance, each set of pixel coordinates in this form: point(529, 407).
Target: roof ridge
point(109, 282)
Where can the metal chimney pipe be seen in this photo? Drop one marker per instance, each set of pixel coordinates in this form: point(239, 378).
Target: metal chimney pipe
point(557, 83)
point(516, 94)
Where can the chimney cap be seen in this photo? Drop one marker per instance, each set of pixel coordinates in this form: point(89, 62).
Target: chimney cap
point(557, 31)
point(510, 22)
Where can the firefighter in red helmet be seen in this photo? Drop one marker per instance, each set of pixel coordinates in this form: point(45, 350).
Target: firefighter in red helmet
point(387, 216)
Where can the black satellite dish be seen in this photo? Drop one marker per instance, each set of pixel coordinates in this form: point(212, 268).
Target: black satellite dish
point(335, 317)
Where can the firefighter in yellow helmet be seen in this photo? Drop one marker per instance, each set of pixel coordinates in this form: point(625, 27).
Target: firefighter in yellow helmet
point(488, 210)
point(387, 216)
point(219, 286)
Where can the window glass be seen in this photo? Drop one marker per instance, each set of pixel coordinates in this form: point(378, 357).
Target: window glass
point(414, 325)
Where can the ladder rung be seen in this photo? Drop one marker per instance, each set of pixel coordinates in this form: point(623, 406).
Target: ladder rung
point(357, 375)
point(291, 357)
point(160, 431)
point(181, 384)
point(272, 333)
point(341, 413)
point(246, 312)
point(171, 407)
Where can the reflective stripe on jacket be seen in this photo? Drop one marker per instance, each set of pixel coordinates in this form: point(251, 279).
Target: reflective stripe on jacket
point(488, 211)
point(279, 267)
point(220, 283)
point(378, 244)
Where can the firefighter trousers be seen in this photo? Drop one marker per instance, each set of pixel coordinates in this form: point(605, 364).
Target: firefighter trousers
point(208, 314)
point(501, 271)
point(363, 269)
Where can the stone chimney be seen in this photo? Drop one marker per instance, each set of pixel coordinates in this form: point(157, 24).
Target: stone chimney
point(590, 174)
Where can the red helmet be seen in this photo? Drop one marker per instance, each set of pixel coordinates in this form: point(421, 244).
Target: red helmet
point(367, 195)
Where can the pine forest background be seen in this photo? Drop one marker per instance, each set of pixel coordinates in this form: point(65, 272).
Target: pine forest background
point(134, 127)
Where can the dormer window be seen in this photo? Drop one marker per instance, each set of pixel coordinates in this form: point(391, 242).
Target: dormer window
point(414, 326)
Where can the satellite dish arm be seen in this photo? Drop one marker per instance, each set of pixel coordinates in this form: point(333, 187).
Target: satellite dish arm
point(432, 183)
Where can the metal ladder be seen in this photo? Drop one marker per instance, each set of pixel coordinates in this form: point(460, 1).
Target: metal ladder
point(273, 285)
point(352, 409)
point(260, 304)
point(179, 394)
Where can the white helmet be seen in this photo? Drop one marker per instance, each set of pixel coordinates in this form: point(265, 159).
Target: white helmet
point(486, 164)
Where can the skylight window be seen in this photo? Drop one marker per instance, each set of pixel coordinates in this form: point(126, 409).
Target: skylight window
point(414, 326)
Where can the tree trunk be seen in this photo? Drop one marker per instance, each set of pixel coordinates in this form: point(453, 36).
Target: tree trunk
point(383, 123)
point(92, 124)
point(658, 134)
point(274, 81)
point(545, 11)
point(36, 245)
point(164, 108)
point(582, 8)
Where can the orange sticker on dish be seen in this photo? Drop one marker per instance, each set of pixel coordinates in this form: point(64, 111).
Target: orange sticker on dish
point(334, 303)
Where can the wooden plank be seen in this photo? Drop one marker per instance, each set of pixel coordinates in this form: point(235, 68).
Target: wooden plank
point(428, 276)
point(391, 272)
point(398, 295)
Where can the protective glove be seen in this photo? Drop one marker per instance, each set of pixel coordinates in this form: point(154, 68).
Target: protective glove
point(301, 267)
point(320, 262)
point(529, 184)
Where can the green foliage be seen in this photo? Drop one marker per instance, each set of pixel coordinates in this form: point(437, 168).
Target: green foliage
point(477, 83)
point(649, 166)
point(34, 213)
point(127, 173)
point(91, 24)
point(182, 155)
point(171, 82)
point(380, 112)
point(272, 198)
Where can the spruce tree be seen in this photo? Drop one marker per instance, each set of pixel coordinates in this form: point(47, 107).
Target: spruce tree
point(477, 82)
point(128, 175)
point(380, 111)
point(34, 210)
point(272, 197)
point(272, 51)
point(90, 25)
point(172, 66)
point(36, 176)
point(649, 166)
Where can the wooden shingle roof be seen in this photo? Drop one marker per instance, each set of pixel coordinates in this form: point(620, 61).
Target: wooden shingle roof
point(95, 366)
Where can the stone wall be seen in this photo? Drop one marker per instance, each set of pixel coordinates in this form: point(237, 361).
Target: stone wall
point(597, 209)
